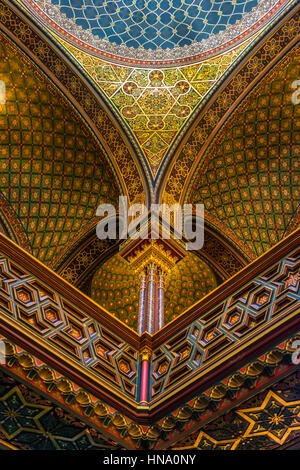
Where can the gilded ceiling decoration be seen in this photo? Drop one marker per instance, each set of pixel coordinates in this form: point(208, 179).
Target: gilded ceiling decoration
point(248, 179)
point(265, 422)
point(116, 288)
point(155, 104)
point(185, 101)
point(189, 281)
point(30, 421)
point(182, 166)
point(140, 91)
point(53, 172)
point(104, 126)
point(182, 48)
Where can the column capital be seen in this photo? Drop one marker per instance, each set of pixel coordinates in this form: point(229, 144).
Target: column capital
point(146, 353)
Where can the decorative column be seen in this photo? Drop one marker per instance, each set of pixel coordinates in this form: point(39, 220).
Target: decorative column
point(142, 315)
point(145, 356)
point(152, 259)
point(151, 298)
point(160, 301)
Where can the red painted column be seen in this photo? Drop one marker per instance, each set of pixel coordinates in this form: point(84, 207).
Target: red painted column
point(146, 354)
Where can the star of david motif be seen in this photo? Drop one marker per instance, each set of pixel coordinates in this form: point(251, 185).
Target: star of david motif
point(206, 442)
point(16, 415)
point(275, 418)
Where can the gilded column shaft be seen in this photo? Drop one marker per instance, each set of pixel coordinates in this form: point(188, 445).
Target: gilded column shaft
point(142, 326)
point(160, 301)
point(151, 300)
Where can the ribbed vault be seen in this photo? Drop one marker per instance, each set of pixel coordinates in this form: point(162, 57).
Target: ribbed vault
point(248, 179)
point(53, 172)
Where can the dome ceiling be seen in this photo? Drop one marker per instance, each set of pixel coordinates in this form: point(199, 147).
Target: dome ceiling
point(154, 30)
point(116, 288)
point(155, 63)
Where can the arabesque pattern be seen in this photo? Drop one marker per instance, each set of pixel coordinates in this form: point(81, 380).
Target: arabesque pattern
point(155, 103)
point(191, 152)
point(154, 32)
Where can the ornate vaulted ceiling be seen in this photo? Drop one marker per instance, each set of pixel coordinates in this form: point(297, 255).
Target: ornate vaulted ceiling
point(162, 101)
point(248, 178)
point(53, 171)
point(154, 102)
point(154, 62)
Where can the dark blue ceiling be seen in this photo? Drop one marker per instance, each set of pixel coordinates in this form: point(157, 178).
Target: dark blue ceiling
point(154, 23)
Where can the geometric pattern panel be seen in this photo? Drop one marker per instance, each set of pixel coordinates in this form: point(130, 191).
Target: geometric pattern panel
point(267, 421)
point(53, 173)
point(78, 264)
point(221, 327)
point(187, 158)
point(220, 332)
point(220, 397)
point(70, 331)
point(68, 395)
point(154, 31)
point(249, 178)
point(29, 421)
point(155, 104)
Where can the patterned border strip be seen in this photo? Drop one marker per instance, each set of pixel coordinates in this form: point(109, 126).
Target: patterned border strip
point(217, 399)
point(183, 55)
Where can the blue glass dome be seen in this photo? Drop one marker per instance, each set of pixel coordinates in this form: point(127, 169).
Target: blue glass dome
point(154, 24)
